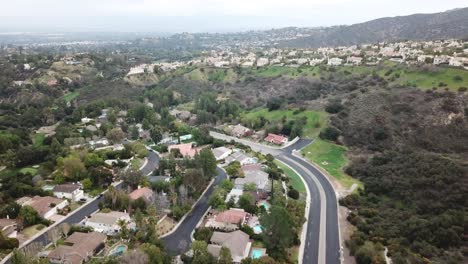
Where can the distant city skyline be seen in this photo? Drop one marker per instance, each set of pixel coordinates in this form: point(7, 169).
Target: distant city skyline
point(200, 15)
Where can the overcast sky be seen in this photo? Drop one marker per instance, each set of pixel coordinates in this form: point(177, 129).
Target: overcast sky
point(201, 15)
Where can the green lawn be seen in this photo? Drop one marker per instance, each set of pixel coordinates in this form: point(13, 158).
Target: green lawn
point(315, 120)
point(38, 139)
point(294, 178)
point(29, 170)
point(332, 158)
point(70, 96)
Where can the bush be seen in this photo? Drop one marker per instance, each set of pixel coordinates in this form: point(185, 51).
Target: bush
point(330, 133)
point(293, 193)
point(203, 234)
point(334, 107)
point(161, 148)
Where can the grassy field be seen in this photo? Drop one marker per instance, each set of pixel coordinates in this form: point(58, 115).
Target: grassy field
point(38, 139)
point(70, 96)
point(276, 71)
point(315, 120)
point(29, 170)
point(331, 158)
point(396, 74)
point(294, 178)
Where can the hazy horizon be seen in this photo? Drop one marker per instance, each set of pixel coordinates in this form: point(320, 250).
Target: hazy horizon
point(200, 16)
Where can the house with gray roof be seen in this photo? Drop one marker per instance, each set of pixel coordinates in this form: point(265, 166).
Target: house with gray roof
point(237, 242)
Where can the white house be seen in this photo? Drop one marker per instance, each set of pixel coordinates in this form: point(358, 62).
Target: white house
point(241, 157)
point(68, 191)
point(221, 152)
point(334, 61)
point(108, 223)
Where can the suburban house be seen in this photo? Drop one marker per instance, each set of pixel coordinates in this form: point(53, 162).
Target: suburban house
point(78, 248)
point(276, 139)
point(237, 242)
point(68, 191)
point(46, 206)
point(241, 131)
point(186, 150)
point(8, 227)
point(108, 223)
point(228, 220)
point(257, 177)
point(234, 194)
point(146, 193)
point(241, 157)
point(221, 152)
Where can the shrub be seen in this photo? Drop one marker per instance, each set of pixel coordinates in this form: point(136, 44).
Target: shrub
point(330, 133)
point(293, 193)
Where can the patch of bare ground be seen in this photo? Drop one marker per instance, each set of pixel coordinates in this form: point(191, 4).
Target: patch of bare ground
point(346, 230)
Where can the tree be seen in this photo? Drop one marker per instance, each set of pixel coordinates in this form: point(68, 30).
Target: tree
point(278, 232)
point(217, 199)
point(131, 177)
point(234, 169)
point(247, 202)
point(203, 234)
point(29, 215)
point(155, 254)
point(200, 253)
point(115, 135)
point(93, 160)
point(193, 180)
point(73, 168)
point(207, 162)
point(225, 256)
point(156, 134)
point(330, 133)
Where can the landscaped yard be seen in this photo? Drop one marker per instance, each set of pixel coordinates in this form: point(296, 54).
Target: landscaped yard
point(332, 158)
point(315, 120)
point(294, 178)
point(32, 230)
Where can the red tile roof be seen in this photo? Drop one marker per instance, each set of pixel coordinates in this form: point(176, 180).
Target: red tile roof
point(276, 139)
point(186, 149)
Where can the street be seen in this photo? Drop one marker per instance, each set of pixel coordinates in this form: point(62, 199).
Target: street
point(179, 241)
point(322, 242)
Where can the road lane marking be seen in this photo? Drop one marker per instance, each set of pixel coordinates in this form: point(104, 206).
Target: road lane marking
point(323, 211)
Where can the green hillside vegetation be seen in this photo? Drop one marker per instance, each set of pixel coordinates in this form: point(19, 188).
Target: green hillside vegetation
point(316, 120)
point(70, 96)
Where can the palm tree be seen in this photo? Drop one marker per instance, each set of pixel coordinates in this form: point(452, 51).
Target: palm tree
point(122, 223)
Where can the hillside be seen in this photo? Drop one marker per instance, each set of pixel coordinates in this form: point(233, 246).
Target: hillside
point(449, 24)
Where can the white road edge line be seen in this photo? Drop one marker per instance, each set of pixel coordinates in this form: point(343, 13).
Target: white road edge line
point(337, 202)
point(307, 212)
point(323, 213)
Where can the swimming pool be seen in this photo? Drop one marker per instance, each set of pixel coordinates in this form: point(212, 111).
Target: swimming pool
point(256, 253)
point(257, 229)
point(265, 205)
point(119, 250)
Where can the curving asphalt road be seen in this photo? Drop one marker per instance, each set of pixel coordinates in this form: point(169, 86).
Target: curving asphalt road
point(179, 241)
point(322, 241)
